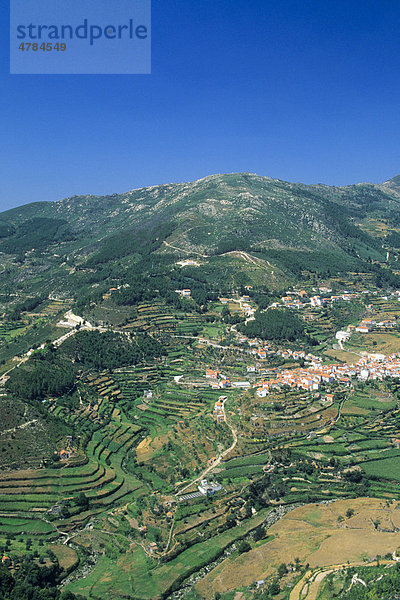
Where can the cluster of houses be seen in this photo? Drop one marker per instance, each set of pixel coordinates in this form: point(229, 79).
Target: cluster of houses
point(217, 379)
point(316, 300)
point(219, 411)
point(368, 325)
point(371, 367)
point(287, 354)
point(290, 301)
point(302, 299)
point(324, 297)
point(268, 349)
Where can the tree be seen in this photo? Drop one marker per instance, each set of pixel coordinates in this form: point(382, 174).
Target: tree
point(279, 324)
point(244, 547)
point(282, 570)
point(225, 313)
point(259, 533)
point(6, 580)
point(82, 500)
point(274, 588)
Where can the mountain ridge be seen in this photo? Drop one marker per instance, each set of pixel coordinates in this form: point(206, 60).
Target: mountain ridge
point(210, 217)
point(394, 181)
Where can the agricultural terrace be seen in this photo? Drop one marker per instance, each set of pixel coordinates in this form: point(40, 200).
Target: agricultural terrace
point(136, 435)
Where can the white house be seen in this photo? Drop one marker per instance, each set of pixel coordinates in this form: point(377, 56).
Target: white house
point(208, 488)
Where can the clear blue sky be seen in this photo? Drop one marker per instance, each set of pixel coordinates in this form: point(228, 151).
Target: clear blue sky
point(305, 90)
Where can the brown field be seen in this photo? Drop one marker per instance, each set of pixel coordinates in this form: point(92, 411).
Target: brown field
point(67, 557)
point(347, 357)
point(313, 534)
point(387, 343)
point(148, 446)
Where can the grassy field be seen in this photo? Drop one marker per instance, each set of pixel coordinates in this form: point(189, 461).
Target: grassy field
point(388, 468)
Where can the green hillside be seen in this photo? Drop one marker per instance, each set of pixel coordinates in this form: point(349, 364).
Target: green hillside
point(154, 339)
point(232, 223)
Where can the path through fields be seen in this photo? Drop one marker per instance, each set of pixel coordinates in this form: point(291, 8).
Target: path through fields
point(308, 586)
point(218, 459)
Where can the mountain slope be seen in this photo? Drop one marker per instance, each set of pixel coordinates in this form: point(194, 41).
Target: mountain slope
point(209, 217)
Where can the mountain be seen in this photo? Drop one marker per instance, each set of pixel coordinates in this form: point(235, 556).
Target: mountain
point(393, 183)
point(108, 430)
point(278, 226)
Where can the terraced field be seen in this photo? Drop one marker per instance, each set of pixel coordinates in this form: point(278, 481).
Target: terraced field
point(47, 498)
point(122, 417)
point(138, 435)
point(8, 330)
point(339, 439)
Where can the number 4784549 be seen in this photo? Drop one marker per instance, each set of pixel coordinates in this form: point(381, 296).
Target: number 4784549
point(44, 47)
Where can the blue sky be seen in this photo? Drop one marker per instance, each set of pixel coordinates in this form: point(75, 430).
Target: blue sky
point(298, 90)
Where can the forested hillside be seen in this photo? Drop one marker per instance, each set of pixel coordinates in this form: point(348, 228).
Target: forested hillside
point(242, 228)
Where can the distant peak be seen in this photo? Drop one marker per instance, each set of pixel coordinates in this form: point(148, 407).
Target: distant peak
point(394, 182)
point(219, 176)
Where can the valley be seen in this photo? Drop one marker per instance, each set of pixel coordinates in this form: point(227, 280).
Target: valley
point(200, 389)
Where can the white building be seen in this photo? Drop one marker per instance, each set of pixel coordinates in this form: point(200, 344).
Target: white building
point(262, 392)
point(208, 488)
point(343, 336)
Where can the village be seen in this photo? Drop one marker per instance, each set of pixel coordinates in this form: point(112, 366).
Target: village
point(369, 367)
